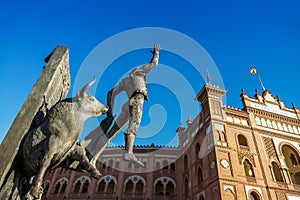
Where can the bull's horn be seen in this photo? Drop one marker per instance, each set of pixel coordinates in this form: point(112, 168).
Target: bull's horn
point(82, 91)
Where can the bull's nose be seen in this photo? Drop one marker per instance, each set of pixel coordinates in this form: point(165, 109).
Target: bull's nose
point(105, 109)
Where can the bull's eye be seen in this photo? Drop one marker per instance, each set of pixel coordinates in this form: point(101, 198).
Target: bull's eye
point(91, 99)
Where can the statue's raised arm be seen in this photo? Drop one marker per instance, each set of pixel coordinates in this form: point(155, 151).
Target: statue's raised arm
point(135, 86)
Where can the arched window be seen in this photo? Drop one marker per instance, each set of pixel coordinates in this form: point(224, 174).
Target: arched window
point(291, 156)
point(170, 188)
point(279, 126)
point(248, 168)
point(229, 195)
point(101, 186)
point(297, 178)
point(117, 164)
point(164, 186)
point(60, 186)
point(285, 127)
point(223, 136)
point(104, 165)
point(200, 178)
point(129, 165)
point(129, 186)
point(159, 188)
point(110, 163)
point(173, 166)
point(186, 185)
point(277, 172)
point(197, 150)
point(157, 165)
point(136, 165)
point(82, 184)
point(77, 186)
point(139, 187)
point(263, 122)
point(242, 140)
point(269, 123)
point(145, 164)
point(165, 164)
point(274, 124)
point(135, 184)
point(107, 184)
point(257, 121)
point(57, 186)
point(85, 186)
point(201, 197)
point(111, 186)
point(185, 162)
point(218, 136)
point(63, 187)
point(293, 159)
point(254, 196)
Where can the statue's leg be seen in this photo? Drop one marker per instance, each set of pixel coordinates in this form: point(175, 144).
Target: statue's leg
point(79, 154)
point(121, 121)
point(135, 110)
point(104, 140)
point(36, 189)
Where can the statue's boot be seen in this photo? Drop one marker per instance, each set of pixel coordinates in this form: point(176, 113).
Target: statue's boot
point(129, 156)
point(96, 174)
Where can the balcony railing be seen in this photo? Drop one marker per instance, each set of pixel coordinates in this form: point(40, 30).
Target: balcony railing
point(244, 148)
point(78, 196)
point(281, 184)
point(133, 196)
point(104, 196)
point(251, 179)
point(297, 187)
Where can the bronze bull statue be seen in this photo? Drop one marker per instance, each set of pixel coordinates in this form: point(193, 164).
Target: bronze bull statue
point(55, 139)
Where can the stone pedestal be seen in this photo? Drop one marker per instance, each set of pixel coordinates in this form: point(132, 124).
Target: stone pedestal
point(52, 85)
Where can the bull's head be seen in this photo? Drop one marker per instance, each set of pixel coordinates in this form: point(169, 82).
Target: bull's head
point(89, 105)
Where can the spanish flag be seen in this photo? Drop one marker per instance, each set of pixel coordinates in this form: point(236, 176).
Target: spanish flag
point(253, 71)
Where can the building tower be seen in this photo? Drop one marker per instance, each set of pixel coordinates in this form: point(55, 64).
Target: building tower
point(197, 143)
point(249, 153)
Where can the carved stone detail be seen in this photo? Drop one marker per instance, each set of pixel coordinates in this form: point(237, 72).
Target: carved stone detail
point(270, 148)
point(247, 154)
point(281, 196)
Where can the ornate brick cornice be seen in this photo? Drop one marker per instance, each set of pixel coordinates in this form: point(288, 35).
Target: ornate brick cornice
point(278, 135)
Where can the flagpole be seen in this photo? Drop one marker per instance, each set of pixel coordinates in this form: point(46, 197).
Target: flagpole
point(261, 84)
point(254, 71)
point(207, 76)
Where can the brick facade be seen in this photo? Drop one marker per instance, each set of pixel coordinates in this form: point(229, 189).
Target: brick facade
point(224, 153)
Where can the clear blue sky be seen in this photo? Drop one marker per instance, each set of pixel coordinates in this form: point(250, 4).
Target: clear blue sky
point(236, 34)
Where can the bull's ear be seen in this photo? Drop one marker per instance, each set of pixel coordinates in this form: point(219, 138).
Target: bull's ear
point(83, 90)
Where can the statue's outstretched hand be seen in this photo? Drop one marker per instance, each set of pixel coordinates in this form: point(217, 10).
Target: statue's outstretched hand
point(156, 49)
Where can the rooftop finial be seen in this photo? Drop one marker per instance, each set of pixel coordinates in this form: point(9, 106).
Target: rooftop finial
point(189, 121)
